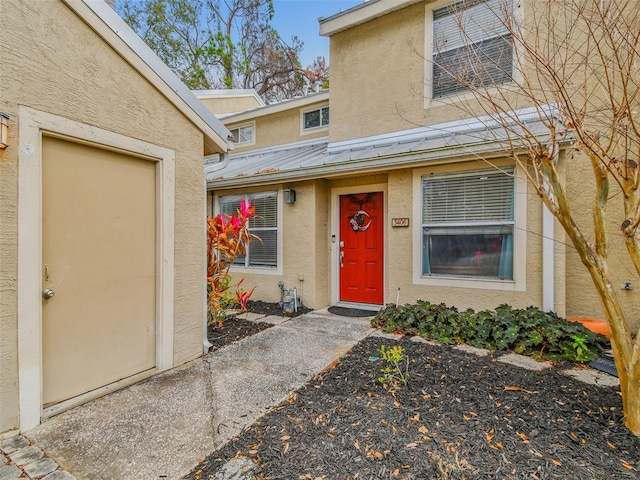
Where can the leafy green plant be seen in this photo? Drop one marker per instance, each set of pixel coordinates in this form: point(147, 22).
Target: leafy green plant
point(227, 238)
point(529, 331)
point(395, 373)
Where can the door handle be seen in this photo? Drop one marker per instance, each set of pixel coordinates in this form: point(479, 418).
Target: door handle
point(47, 293)
point(341, 259)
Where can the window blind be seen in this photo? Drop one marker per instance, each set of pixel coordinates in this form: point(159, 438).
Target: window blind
point(264, 224)
point(471, 45)
point(481, 196)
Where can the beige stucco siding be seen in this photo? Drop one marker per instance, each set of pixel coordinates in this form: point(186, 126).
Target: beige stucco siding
point(377, 79)
point(54, 63)
point(400, 264)
point(303, 264)
point(280, 128)
point(582, 299)
point(229, 104)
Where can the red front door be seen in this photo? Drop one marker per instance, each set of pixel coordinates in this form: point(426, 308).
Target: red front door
point(361, 248)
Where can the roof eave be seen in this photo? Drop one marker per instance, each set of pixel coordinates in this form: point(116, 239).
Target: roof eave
point(114, 31)
point(270, 109)
point(359, 14)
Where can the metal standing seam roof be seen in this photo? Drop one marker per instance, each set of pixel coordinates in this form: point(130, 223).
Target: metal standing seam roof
point(318, 158)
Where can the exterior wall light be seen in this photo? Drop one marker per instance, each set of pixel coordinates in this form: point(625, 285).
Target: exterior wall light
point(289, 195)
point(4, 130)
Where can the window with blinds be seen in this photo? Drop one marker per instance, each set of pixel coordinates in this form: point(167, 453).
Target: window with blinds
point(263, 252)
point(471, 45)
point(467, 224)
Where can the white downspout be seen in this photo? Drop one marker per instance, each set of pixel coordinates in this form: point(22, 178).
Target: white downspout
point(548, 255)
point(224, 161)
point(548, 263)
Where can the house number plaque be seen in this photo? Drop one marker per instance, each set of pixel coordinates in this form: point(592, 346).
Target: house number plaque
point(399, 222)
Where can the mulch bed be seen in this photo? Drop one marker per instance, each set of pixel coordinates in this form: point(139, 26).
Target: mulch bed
point(235, 329)
point(459, 416)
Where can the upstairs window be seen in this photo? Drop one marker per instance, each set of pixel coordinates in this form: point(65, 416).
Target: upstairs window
point(468, 224)
point(263, 252)
point(471, 45)
point(243, 134)
point(315, 118)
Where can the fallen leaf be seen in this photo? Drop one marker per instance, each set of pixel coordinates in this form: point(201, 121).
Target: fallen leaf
point(556, 462)
point(412, 445)
point(523, 437)
point(518, 389)
point(627, 465)
point(286, 448)
point(416, 417)
point(331, 435)
point(466, 417)
point(253, 452)
point(423, 430)
point(611, 445)
point(286, 437)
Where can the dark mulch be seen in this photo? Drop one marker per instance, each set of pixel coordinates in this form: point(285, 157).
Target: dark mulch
point(235, 329)
point(267, 308)
point(459, 416)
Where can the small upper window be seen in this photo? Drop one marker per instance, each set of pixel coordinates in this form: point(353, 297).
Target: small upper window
point(243, 134)
point(472, 45)
point(316, 118)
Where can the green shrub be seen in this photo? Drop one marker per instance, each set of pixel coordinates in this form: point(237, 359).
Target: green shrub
point(527, 331)
point(395, 373)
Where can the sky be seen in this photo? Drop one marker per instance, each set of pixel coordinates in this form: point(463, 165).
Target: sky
point(300, 18)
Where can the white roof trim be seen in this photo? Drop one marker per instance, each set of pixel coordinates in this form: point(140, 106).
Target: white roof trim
point(359, 14)
point(283, 106)
point(113, 30)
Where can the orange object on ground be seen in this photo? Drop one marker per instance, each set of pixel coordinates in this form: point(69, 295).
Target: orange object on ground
point(594, 324)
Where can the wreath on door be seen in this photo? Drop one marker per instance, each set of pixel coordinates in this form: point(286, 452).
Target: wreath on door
point(360, 221)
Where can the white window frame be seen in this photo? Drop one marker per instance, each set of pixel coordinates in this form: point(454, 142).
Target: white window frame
point(251, 141)
point(519, 240)
point(277, 270)
point(321, 127)
point(518, 13)
point(34, 125)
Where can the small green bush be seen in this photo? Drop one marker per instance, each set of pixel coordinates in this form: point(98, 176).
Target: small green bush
point(393, 373)
point(529, 332)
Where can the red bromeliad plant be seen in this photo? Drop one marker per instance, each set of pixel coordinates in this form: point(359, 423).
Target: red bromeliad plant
point(227, 239)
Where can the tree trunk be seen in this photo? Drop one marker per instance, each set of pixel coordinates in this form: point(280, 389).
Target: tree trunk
point(632, 404)
point(625, 354)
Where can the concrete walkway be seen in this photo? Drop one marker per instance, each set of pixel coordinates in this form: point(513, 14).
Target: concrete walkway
point(162, 427)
